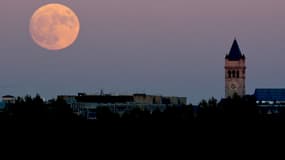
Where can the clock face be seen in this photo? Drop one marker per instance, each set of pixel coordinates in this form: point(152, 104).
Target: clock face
point(234, 86)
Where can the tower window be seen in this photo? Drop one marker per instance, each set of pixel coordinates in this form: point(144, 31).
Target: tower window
point(234, 74)
point(237, 74)
point(229, 74)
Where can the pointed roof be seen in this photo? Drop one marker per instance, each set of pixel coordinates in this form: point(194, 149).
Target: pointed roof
point(235, 53)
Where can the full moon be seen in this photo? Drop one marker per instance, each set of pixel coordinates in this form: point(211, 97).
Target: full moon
point(54, 26)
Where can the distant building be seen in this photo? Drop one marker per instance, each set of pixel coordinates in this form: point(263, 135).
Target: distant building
point(235, 72)
point(270, 96)
point(86, 105)
point(8, 99)
point(270, 100)
point(68, 99)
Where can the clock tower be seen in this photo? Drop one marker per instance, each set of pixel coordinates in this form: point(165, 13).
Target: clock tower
point(235, 72)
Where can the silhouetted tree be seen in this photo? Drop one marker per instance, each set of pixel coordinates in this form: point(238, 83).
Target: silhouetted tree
point(105, 114)
point(209, 110)
point(157, 115)
point(59, 110)
point(178, 113)
point(239, 109)
point(137, 114)
point(28, 109)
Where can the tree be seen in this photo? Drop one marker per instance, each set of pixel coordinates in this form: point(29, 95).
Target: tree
point(61, 111)
point(239, 109)
point(208, 110)
point(28, 109)
point(137, 114)
point(105, 114)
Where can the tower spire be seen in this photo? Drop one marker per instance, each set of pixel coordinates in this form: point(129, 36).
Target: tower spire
point(235, 53)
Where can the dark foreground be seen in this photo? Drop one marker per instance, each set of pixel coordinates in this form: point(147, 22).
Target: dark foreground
point(33, 125)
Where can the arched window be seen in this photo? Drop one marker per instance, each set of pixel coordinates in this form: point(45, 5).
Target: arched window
point(237, 74)
point(229, 74)
point(234, 74)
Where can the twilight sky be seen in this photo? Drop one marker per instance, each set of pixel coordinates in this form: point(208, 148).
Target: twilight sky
point(168, 47)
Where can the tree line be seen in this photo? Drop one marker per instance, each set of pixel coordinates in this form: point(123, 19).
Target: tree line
point(30, 108)
point(235, 109)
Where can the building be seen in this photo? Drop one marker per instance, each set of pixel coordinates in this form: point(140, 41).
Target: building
point(147, 99)
point(270, 96)
point(235, 72)
point(7, 99)
point(85, 105)
point(270, 100)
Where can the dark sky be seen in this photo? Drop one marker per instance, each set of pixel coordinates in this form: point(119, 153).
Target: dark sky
point(168, 47)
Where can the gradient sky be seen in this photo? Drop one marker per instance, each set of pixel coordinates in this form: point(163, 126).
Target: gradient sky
point(168, 47)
